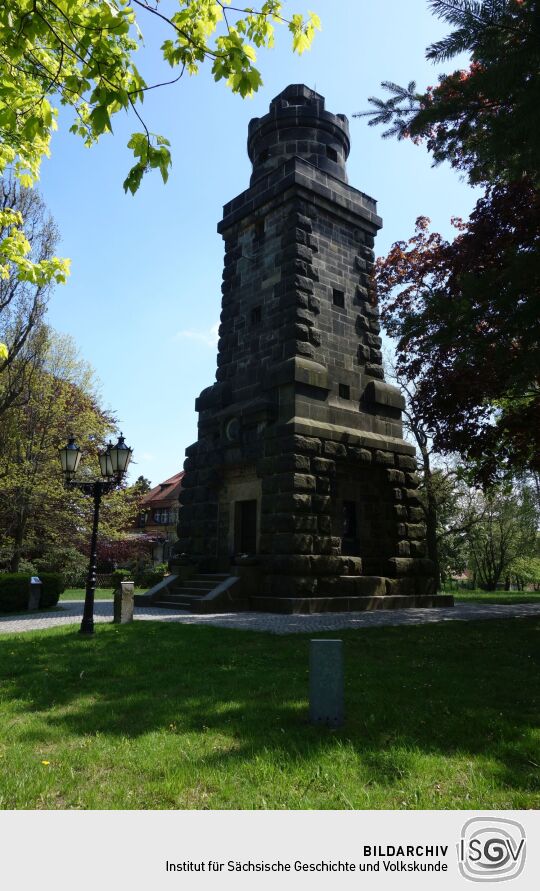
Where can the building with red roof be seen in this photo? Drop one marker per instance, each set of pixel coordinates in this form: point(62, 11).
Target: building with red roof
point(158, 517)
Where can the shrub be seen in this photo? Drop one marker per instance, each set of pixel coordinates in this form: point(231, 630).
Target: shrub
point(14, 591)
point(149, 576)
point(52, 586)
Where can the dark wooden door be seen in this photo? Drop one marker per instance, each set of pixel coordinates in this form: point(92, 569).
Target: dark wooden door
point(246, 527)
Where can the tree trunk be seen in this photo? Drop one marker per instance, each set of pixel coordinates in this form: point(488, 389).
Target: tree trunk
point(431, 518)
point(18, 543)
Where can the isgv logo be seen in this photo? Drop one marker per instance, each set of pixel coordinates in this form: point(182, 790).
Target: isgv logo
point(491, 849)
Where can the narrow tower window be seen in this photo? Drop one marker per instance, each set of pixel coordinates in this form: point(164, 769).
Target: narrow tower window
point(338, 298)
point(331, 153)
point(344, 391)
point(256, 316)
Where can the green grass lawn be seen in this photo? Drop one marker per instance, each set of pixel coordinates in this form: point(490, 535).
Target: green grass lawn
point(158, 715)
point(502, 597)
point(101, 593)
point(78, 594)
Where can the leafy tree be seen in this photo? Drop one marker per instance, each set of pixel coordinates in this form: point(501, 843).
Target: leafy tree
point(39, 518)
point(465, 313)
point(142, 485)
point(526, 571)
point(447, 499)
point(81, 54)
point(483, 119)
point(22, 301)
point(507, 532)
point(465, 316)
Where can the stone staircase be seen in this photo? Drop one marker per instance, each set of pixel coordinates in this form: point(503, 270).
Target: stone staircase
point(204, 592)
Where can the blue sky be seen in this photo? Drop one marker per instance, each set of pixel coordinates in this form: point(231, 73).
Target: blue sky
point(143, 300)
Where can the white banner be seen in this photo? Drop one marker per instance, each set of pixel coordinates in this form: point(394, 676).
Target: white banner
point(154, 850)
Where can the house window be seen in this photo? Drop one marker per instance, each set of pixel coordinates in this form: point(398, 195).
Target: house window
point(338, 298)
point(256, 316)
point(344, 391)
point(161, 517)
point(331, 153)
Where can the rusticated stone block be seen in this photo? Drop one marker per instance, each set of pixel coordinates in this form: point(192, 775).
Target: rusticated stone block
point(361, 324)
point(370, 585)
point(375, 370)
point(351, 565)
point(324, 544)
point(283, 463)
point(410, 566)
point(293, 502)
point(373, 340)
point(395, 476)
point(305, 445)
point(416, 531)
point(385, 458)
point(424, 585)
point(406, 462)
point(289, 586)
point(418, 548)
point(334, 449)
point(323, 465)
point(412, 480)
point(404, 587)
point(296, 482)
point(403, 549)
point(292, 543)
point(291, 564)
point(323, 485)
point(324, 524)
point(326, 564)
point(416, 514)
point(362, 354)
point(299, 523)
point(411, 497)
point(364, 456)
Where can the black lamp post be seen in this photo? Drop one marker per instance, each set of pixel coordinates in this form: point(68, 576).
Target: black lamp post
point(113, 462)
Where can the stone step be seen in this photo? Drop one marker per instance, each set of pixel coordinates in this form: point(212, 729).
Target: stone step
point(168, 604)
point(192, 592)
point(182, 594)
point(204, 585)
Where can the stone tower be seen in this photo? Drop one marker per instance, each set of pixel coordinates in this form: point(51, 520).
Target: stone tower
point(300, 481)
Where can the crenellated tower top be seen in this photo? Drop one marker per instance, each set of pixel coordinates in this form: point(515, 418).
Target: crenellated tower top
point(297, 125)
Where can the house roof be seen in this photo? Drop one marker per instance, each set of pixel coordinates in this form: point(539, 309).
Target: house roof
point(165, 493)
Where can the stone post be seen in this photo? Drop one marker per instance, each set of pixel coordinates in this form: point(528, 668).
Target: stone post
point(123, 603)
point(326, 682)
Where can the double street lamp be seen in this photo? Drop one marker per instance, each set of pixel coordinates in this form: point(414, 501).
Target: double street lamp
point(113, 462)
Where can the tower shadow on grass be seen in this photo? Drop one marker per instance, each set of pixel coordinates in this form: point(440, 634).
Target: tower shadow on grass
point(466, 689)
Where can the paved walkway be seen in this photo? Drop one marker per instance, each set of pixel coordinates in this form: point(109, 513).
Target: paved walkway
point(70, 612)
